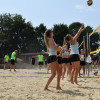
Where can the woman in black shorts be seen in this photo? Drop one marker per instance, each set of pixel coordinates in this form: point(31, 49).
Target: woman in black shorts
point(65, 62)
point(59, 60)
point(82, 62)
point(53, 64)
point(74, 56)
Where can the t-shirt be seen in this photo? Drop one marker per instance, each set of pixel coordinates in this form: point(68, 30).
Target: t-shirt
point(89, 59)
point(40, 58)
point(13, 55)
point(6, 58)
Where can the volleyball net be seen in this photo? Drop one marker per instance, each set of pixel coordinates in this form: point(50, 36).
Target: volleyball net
point(91, 52)
point(89, 41)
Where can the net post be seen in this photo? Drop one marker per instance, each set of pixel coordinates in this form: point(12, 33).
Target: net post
point(88, 52)
point(84, 48)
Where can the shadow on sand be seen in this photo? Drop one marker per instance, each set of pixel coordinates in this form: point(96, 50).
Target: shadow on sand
point(91, 77)
point(42, 73)
point(73, 93)
point(92, 88)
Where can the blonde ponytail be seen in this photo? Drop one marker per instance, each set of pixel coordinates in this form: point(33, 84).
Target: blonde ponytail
point(46, 37)
point(64, 42)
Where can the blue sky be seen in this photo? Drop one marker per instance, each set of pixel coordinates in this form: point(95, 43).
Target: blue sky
point(52, 12)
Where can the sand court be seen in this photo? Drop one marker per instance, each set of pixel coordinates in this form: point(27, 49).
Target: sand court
point(26, 84)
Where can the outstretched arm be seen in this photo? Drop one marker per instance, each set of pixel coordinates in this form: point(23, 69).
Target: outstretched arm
point(79, 32)
point(46, 52)
point(61, 52)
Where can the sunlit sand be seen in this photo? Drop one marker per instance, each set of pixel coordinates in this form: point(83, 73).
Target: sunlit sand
point(28, 84)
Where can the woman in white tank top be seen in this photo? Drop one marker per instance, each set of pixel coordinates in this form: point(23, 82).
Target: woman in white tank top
point(74, 57)
point(53, 64)
point(82, 62)
point(65, 62)
point(89, 61)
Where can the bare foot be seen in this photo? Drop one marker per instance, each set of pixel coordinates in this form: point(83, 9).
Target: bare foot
point(62, 78)
point(10, 70)
point(14, 70)
point(58, 88)
point(76, 82)
point(71, 81)
point(46, 90)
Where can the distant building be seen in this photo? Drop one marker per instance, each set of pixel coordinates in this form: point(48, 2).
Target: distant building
point(28, 56)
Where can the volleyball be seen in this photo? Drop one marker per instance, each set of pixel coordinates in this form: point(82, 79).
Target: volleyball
point(89, 3)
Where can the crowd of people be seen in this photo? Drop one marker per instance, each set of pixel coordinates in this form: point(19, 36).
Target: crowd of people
point(13, 59)
point(62, 57)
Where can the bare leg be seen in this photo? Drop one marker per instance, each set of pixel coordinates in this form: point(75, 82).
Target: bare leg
point(63, 70)
point(11, 67)
point(5, 65)
point(72, 73)
point(76, 74)
point(53, 67)
point(77, 65)
point(91, 68)
point(59, 73)
point(14, 67)
point(40, 67)
point(83, 71)
point(80, 70)
point(69, 69)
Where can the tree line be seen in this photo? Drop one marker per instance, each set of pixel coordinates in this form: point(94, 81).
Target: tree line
point(17, 34)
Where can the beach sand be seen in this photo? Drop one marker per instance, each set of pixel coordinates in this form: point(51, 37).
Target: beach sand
point(28, 84)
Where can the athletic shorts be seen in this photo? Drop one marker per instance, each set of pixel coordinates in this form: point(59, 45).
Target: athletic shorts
point(12, 62)
point(33, 62)
point(40, 63)
point(74, 58)
point(82, 63)
point(51, 59)
point(90, 63)
point(6, 62)
point(70, 63)
point(59, 60)
point(65, 60)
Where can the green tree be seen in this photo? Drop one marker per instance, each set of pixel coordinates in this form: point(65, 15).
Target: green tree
point(17, 34)
point(60, 31)
point(73, 29)
point(39, 31)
